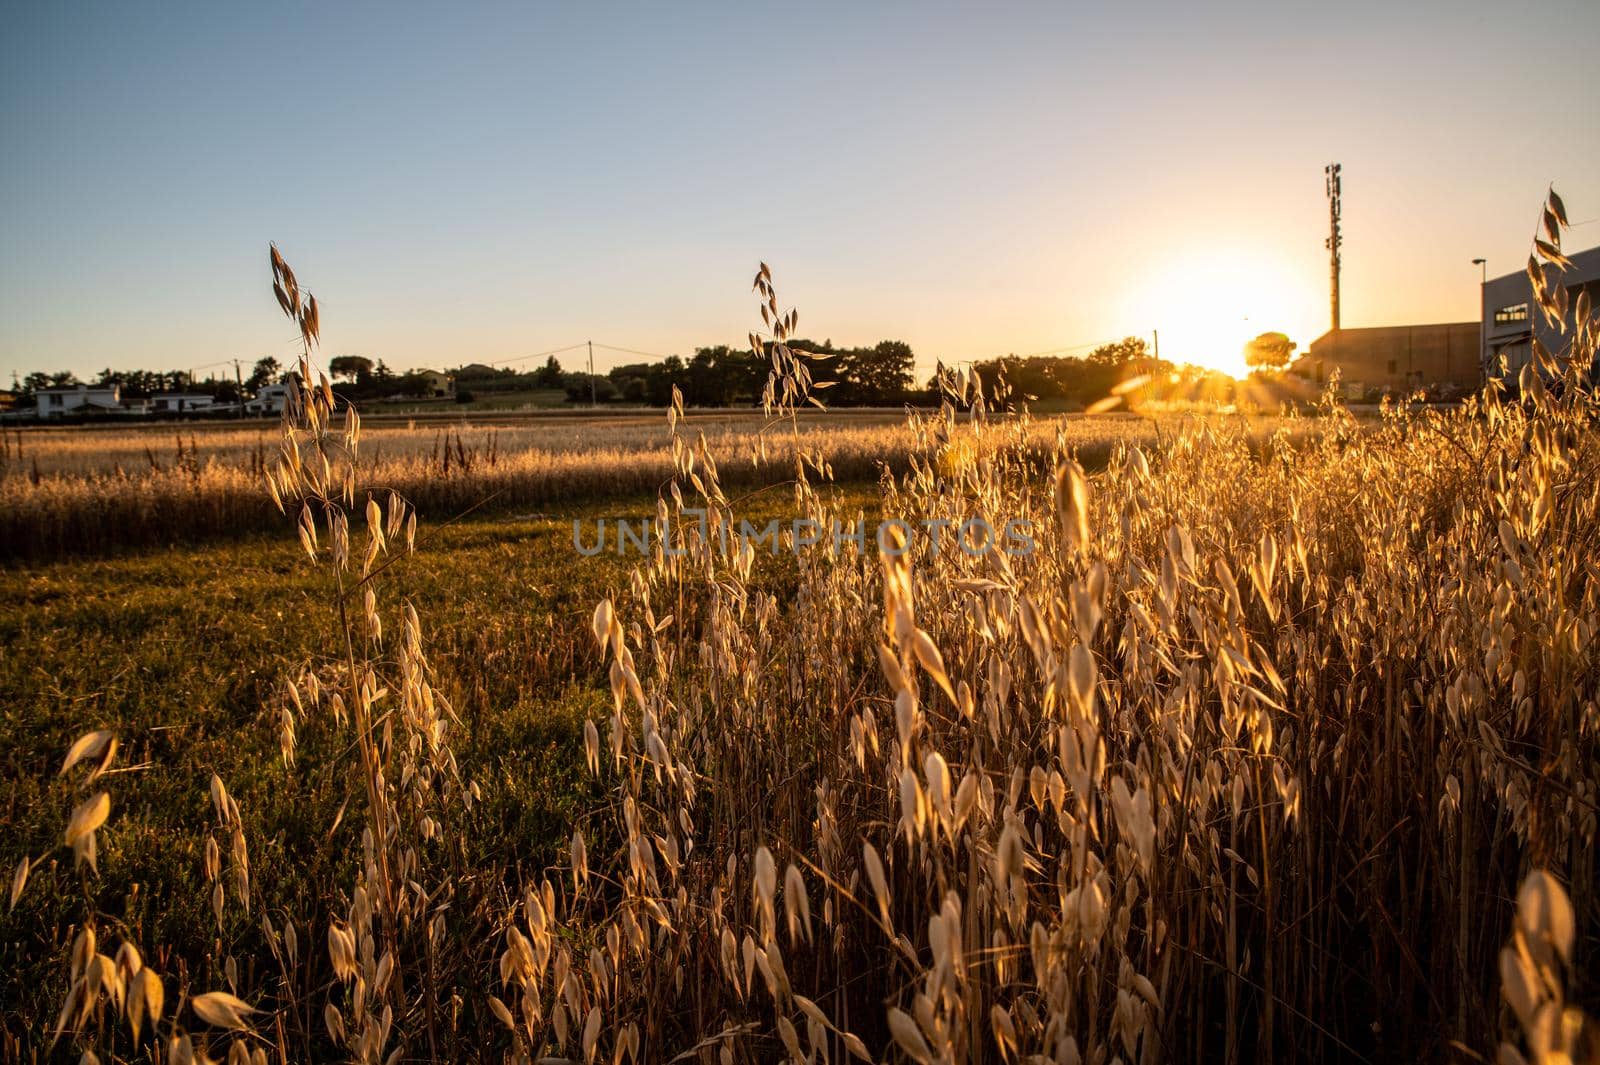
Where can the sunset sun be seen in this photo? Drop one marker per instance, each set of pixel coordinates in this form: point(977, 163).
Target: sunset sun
point(1204, 307)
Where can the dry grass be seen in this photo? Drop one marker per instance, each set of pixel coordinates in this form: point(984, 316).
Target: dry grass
point(1246, 761)
point(86, 451)
point(71, 491)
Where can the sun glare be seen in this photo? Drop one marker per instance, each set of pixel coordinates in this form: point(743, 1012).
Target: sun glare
point(1205, 307)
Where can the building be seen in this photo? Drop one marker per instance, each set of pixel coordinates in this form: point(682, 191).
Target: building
point(433, 383)
point(1443, 359)
point(182, 403)
point(79, 399)
point(1511, 322)
point(271, 399)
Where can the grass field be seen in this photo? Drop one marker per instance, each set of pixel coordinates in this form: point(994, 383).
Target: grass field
point(1300, 845)
point(1245, 740)
point(88, 490)
point(154, 645)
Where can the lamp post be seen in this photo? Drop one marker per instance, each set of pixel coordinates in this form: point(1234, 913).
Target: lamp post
point(1483, 314)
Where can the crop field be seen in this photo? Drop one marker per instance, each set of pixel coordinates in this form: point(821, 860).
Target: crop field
point(89, 489)
point(1062, 740)
point(1205, 773)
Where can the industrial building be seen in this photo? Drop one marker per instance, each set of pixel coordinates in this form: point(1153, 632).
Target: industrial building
point(1443, 360)
point(1511, 322)
point(1449, 359)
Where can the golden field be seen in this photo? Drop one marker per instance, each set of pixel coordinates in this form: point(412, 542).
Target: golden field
point(85, 489)
point(1279, 742)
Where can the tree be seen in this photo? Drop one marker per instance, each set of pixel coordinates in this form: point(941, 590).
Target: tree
point(266, 369)
point(662, 377)
point(581, 387)
point(549, 375)
point(355, 368)
point(1269, 351)
point(416, 383)
point(880, 373)
point(1118, 353)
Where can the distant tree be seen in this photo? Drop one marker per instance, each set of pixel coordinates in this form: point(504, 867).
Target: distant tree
point(1118, 353)
point(662, 378)
point(64, 379)
point(879, 374)
point(264, 373)
point(381, 372)
point(549, 375)
point(578, 388)
point(1012, 381)
point(355, 368)
point(35, 381)
point(1269, 351)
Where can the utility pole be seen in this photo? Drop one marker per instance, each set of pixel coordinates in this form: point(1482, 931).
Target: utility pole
point(1155, 334)
point(238, 378)
point(592, 401)
point(1331, 180)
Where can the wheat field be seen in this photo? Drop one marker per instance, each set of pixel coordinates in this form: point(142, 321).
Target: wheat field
point(71, 491)
point(1269, 749)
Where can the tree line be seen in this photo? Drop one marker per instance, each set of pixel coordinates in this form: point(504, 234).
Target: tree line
point(883, 374)
point(142, 384)
point(721, 376)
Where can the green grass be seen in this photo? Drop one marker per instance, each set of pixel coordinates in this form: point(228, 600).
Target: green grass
point(516, 400)
point(183, 652)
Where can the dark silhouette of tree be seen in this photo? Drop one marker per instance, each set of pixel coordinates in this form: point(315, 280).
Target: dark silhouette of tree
point(549, 375)
point(578, 388)
point(1269, 351)
point(879, 374)
point(1012, 381)
point(1119, 353)
point(356, 368)
point(264, 373)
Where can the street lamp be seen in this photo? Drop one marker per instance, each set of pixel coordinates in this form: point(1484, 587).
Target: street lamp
point(1483, 315)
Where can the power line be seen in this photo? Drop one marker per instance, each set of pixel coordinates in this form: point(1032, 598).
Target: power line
point(632, 351)
point(541, 354)
point(575, 347)
point(1029, 355)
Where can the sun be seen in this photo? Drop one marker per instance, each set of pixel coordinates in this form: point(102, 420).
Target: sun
point(1204, 306)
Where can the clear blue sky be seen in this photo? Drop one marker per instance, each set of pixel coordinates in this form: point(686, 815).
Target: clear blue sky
point(478, 185)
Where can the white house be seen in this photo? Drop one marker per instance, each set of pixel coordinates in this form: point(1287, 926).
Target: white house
point(181, 403)
point(271, 399)
point(80, 399)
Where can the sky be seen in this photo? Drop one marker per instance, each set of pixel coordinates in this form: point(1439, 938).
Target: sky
point(483, 184)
